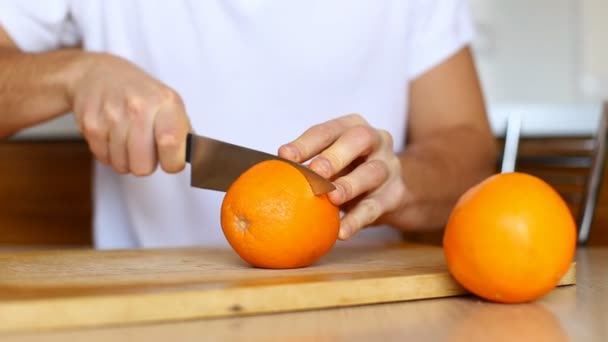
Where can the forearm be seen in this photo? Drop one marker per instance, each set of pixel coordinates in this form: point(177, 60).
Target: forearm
point(35, 87)
point(437, 172)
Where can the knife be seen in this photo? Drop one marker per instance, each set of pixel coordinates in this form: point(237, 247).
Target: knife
point(215, 164)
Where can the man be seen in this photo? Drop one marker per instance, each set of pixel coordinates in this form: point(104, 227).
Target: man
point(139, 74)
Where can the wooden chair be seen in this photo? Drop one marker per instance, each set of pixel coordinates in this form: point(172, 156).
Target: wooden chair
point(45, 193)
point(573, 165)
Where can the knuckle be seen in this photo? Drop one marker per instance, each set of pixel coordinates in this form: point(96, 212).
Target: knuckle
point(371, 209)
point(112, 116)
point(136, 107)
point(337, 125)
point(169, 96)
point(92, 129)
point(167, 141)
point(379, 171)
point(336, 162)
point(386, 137)
point(356, 119)
point(365, 133)
point(85, 110)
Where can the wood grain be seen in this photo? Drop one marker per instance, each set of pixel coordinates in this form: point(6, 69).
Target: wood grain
point(564, 162)
point(570, 313)
point(61, 289)
point(554, 145)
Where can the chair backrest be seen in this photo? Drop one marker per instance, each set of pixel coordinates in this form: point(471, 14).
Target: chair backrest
point(573, 165)
point(45, 193)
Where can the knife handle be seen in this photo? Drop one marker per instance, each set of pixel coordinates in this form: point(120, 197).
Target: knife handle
point(188, 146)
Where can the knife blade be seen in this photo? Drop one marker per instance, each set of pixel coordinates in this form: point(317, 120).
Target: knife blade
point(215, 164)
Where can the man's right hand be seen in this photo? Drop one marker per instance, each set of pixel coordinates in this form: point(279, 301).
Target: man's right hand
point(130, 120)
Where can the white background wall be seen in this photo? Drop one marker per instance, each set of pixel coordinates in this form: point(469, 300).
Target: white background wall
point(594, 52)
point(547, 59)
point(532, 55)
point(527, 49)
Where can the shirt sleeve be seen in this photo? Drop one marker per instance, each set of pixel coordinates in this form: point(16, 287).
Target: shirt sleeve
point(38, 25)
point(438, 29)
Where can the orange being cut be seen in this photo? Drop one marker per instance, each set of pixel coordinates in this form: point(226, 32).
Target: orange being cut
point(272, 219)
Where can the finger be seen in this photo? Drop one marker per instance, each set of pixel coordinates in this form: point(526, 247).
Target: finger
point(363, 214)
point(118, 132)
point(318, 138)
point(141, 148)
point(171, 126)
point(289, 152)
point(388, 198)
point(357, 141)
point(366, 177)
point(386, 139)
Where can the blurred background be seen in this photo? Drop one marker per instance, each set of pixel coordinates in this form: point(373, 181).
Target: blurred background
point(542, 50)
point(543, 53)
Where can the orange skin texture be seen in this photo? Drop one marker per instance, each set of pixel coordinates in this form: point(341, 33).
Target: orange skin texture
point(272, 219)
point(510, 238)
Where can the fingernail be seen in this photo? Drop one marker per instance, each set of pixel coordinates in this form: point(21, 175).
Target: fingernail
point(290, 152)
point(322, 167)
point(336, 196)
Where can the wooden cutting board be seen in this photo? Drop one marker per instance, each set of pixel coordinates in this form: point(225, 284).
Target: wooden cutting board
point(60, 289)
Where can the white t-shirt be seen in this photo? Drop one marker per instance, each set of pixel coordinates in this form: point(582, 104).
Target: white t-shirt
point(252, 72)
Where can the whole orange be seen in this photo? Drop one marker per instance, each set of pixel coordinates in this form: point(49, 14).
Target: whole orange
point(510, 238)
point(272, 219)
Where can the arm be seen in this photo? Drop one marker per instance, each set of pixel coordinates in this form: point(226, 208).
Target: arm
point(33, 87)
point(450, 149)
point(130, 120)
point(450, 144)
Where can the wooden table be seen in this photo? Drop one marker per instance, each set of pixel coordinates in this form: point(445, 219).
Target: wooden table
point(570, 313)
